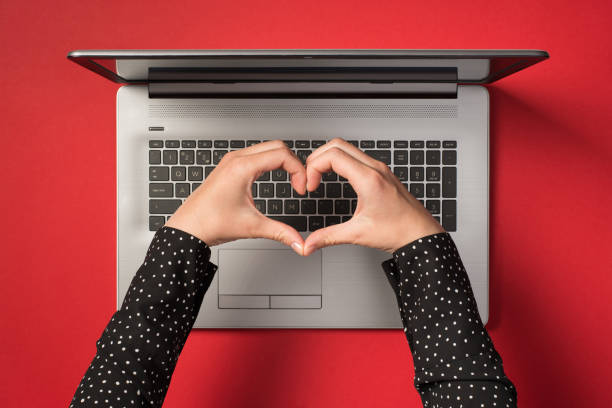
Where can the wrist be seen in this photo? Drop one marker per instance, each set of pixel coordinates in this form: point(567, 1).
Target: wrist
point(417, 231)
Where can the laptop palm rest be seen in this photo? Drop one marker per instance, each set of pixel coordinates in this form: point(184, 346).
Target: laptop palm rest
point(269, 279)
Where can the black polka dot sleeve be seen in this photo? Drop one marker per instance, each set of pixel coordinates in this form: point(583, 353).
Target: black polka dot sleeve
point(139, 347)
point(455, 362)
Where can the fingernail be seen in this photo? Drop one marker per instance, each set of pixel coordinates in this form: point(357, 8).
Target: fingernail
point(297, 248)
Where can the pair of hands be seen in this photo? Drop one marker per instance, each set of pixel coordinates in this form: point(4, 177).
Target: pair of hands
point(222, 208)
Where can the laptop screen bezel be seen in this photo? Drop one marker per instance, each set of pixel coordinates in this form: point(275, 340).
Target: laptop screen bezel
point(513, 60)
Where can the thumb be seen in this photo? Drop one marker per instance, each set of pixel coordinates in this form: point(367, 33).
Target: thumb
point(337, 234)
point(281, 232)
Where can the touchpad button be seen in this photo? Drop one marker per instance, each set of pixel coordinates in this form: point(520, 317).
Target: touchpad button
point(268, 272)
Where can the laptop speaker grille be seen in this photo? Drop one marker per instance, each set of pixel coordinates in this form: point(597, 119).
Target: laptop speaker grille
point(371, 111)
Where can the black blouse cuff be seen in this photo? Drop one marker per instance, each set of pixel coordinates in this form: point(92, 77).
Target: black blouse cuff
point(181, 240)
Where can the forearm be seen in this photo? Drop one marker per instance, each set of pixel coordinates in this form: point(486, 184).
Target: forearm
point(138, 350)
point(454, 357)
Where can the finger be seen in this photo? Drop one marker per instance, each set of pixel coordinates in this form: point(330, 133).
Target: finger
point(261, 147)
point(345, 233)
point(340, 162)
point(281, 232)
point(347, 147)
point(281, 157)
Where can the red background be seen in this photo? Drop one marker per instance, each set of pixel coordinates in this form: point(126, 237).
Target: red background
point(551, 155)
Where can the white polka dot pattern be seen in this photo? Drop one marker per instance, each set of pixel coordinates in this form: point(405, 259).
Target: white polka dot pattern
point(139, 348)
point(456, 364)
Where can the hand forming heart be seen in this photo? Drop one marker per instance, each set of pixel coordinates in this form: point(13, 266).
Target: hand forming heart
point(222, 208)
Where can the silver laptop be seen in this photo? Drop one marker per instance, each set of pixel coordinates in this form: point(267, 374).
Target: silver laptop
point(422, 112)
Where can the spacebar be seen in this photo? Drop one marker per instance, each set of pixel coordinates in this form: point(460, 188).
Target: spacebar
point(297, 222)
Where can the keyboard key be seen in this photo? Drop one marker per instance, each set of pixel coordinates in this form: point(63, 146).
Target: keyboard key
point(433, 157)
point(156, 222)
point(417, 157)
point(265, 176)
point(279, 175)
point(346, 218)
point(348, 191)
point(298, 195)
point(292, 206)
point(342, 206)
point(383, 144)
point(315, 222)
point(417, 144)
point(158, 190)
point(296, 221)
point(173, 144)
point(203, 157)
point(353, 206)
point(416, 174)
point(154, 156)
point(187, 157)
point(195, 174)
point(449, 144)
point(329, 176)
point(381, 155)
point(417, 189)
point(188, 144)
point(195, 185)
point(156, 144)
point(170, 157)
point(449, 157)
point(449, 182)
point(283, 190)
point(317, 143)
point(400, 157)
point(303, 155)
point(252, 142)
point(334, 190)
point(237, 144)
point(449, 215)
point(332, 220)
point(254, 190)
point(221, 144)
point(432, 174)
point(432, 190)
point(182, 190)
point(159, 173)
point(275, 206)
point(208, 170)
point(204, 144)
point(433, 144)
point(433, 206)
point(289, 143)
point(260, 205)
point(340, 178)
point(437, 218)
point(400, 144)
point(178, 173)
point(401, 173)
point(164, 206)
point(309, 206)
point(319, 192)
point(302, 144)
point(325, 206)
point(218, 155)
point(367, 144)
point(266, 190)
point(353, 142)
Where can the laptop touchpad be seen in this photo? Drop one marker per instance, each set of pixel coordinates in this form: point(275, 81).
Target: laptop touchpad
point(269, 279)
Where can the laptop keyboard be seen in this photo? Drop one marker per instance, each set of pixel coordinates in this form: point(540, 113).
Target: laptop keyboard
point(427, 168)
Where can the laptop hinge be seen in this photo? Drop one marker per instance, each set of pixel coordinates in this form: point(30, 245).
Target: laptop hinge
point(304, 82)
point(301, 90)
